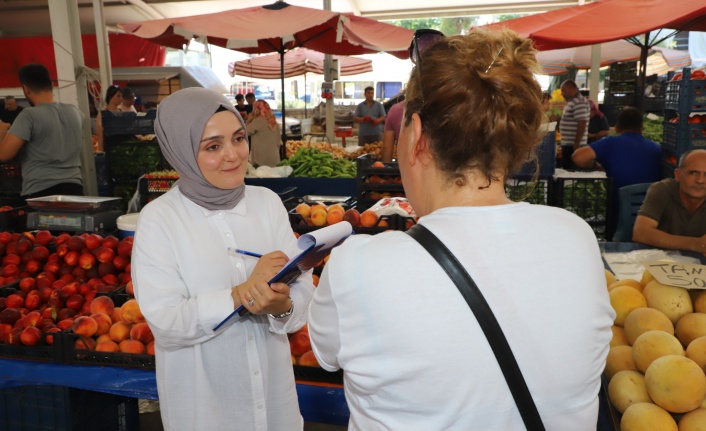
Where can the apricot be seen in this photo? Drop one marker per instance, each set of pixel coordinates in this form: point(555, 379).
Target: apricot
point(653, 345)
point(352, 216)
point(690, 327)
point(85, 326)
point(142, 333)
point(627, 282)
point(130, 312)
point(308, 359)
point(368, 218)
point(336, 207)
point(119, 331)
point(132, 346)
point(117, 315)
point(102, 304)
point(107, 346)
point(334, 216)
point(104, 337)
point(647, 417)
point(318, 217)
point(646, 319)
point(676, 383)
point(304, 210)
point(625, 299)
point(618, 336)
point(619, 359)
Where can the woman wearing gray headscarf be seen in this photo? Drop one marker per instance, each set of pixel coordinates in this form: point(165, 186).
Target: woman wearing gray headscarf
point(188, 278)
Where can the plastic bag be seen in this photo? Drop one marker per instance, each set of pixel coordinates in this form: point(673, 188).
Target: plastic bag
point(390, 206)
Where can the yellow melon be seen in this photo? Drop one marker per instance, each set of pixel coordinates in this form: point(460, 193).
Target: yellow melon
point(619, 359)
point(624, 299)
point(690, 327)
point(646, 278)
point(693, 421)
point(699, 299)
point(618, 338)
point(676, 383)
point(696, 351)
point(645, 319)
point(675, 302)
point(627, 388)
point(609, 278)
point(627, 282)
point(647, 417)
point(652, 345)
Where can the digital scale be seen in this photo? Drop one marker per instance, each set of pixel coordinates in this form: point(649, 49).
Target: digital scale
point(74, 213)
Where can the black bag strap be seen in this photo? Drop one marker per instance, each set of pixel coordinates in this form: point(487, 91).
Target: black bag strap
point(487, 321)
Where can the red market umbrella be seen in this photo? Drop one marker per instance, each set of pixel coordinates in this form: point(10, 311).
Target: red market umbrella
point(296, 62)
point(278, 27)
point(608, 20)
point(660, 61)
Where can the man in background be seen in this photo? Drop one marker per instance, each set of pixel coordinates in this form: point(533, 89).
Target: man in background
point(574, 122)
point(242, 108)
point(46, 138)
point(673, 215)
point(628, 158)
point(128, 103)
point(369, 114)
point(11, 110)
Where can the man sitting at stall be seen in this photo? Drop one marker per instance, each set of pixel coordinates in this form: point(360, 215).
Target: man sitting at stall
point(673, 215)
point(628, 158)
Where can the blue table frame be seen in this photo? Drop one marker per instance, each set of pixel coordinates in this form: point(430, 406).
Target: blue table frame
point(322, 404)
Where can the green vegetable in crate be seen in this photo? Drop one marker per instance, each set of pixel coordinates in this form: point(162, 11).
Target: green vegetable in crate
point(653, 129)
point(310, 162)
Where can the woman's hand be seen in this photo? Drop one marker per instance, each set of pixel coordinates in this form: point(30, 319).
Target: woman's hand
point(256, 295)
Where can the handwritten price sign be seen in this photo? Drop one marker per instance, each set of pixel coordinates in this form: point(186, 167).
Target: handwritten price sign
point(686, 275)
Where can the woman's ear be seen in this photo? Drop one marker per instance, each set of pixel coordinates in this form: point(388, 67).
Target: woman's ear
point(420, 150)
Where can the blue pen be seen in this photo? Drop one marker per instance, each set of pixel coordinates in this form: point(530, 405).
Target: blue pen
point(245, 252)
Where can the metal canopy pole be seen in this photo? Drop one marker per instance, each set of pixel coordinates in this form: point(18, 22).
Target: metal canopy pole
point(330, 113)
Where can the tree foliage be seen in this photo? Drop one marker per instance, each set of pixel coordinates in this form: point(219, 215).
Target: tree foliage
point(449, 26)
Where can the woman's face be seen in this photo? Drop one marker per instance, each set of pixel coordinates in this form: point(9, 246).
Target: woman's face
point(116, 100)
point(223, 151)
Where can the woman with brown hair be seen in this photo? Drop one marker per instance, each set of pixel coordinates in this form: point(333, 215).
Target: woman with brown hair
point(414, 355)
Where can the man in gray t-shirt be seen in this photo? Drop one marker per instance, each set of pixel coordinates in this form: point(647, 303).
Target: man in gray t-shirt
point(46, 139)
point(370, 116)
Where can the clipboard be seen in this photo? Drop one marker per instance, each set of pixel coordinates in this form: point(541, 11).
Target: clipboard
point(315, 246)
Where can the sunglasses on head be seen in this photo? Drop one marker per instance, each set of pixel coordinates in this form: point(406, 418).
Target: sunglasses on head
point(422, 39)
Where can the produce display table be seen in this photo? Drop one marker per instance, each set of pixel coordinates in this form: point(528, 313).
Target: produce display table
point(318, 402)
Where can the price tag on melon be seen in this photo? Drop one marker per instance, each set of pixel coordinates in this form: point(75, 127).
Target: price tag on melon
point(678, 274)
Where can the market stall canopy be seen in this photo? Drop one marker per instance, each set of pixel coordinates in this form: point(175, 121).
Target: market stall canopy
point(660, 61)
point(607, 20)
point(296, 62)
point(276, 28)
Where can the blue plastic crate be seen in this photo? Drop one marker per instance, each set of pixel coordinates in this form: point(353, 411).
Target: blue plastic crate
point(686, 95)
point(59, 408)
point(667, 169)
point(683, 136)
point(546, 156)
point(128, 123)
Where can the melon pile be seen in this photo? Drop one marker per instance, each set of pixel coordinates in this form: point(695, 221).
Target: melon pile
point(657, 360)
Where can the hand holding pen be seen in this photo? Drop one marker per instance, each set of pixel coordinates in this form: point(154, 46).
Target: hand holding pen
point(255, 294)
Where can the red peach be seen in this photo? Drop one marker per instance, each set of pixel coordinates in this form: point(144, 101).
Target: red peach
point(104, 254)
point(33, 301)
point(107, 346)
point(71, 258)
point(14, 301)
point(77, 243)
point(110, 242)
point(85, 326)
point(132, 346)
point(30, 336)
point(299, 343)
point(49, 338)
point(308, 359)
point(141, 332)
point(102, 304)
point(130, 312)
point(28, 283)
point(75, 302)
point(65, 324)
point(43, 237)
point(85, 343)
point(119, 331)
point(93, 241)
point(87, 261)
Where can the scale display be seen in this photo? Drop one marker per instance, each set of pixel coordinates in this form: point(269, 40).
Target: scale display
point(60, 221)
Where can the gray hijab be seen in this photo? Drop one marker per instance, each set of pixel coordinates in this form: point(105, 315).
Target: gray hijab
point(181, 118)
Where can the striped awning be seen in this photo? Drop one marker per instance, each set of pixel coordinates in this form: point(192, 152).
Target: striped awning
point(296, 62)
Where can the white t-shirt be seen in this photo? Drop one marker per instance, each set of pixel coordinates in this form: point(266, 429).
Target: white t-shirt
point(240, 377)
point(413, 354)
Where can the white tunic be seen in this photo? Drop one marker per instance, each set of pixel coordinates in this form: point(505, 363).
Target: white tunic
point(413, 355)
point(240, 377)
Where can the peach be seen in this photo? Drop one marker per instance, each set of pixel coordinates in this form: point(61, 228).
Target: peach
point(43, 237)
point(30, 336)
point(65, 324)
point(103, 338)
point(49, 338)
point(318, 217)
point(104, 254)
point(107, 346)
point(87, 261)
point(130, 312)
point(104, 323)
point(130, 288)
point(368, 218)
point(102, 304)
point(299, 343)
point(117, 315)
point(352, 216)
point(149, 349)
point(85, 326)
point(76, 243)
point(14, 301)
point(33, 301)
point(110, 242)
point(85, 343)
point(132, 346)
point(5, 329)
point(304, 210)
point(93, 241)
point(308, 359)
point(119, 331)
point(141, 332)
point(32, 266)
point(75, 302)
point(334, 216)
